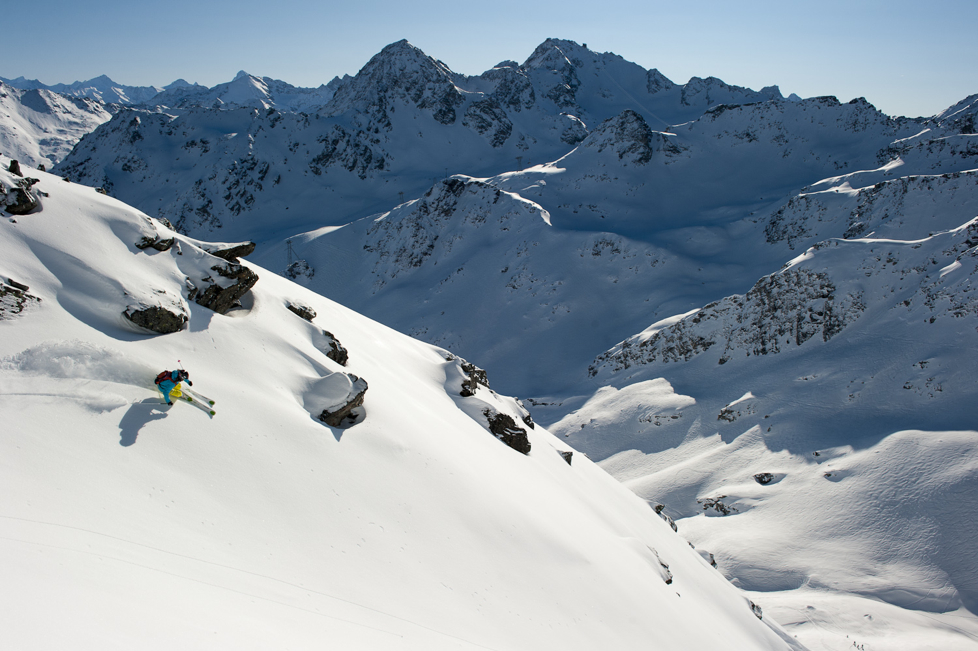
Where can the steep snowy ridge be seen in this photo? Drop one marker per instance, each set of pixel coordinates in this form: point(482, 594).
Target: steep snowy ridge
point(411, 528)
point(38, 127)
point(959, 118)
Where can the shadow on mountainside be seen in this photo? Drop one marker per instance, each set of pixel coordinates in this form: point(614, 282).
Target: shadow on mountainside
point(138, 415)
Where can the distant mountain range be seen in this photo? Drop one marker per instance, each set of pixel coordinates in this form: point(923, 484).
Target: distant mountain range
point(243, 91)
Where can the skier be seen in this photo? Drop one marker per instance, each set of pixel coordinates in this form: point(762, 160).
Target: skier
point(168, 383)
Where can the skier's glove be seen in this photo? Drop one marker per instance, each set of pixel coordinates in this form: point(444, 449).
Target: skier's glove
point(190, 383)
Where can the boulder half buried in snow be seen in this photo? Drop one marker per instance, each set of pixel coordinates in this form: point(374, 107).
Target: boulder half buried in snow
point(14, 299)
point(221, 295)
point(299, 309)
point(230, 252)
point(504, 428)
point(156, 318)
point(334, 349)
point(334, 398)
point(20, 199)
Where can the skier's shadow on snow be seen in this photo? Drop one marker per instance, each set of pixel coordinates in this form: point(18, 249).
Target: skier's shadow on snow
point(139, 414)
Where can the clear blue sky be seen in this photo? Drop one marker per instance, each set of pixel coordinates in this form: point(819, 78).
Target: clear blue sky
point(905, 56)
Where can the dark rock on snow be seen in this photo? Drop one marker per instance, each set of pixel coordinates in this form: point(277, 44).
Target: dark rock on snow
point(155, 242)
point(474, 376)
point(660, 509)
point(14, 298)
point(336, 351)
point(233, 252)
point(156, 318)
point(506, 430)
point(20, 200)
point(220, 298)
point(304, 311)
point(335, 415)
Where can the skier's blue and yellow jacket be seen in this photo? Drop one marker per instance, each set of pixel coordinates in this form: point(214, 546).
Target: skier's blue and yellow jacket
point(169, 384)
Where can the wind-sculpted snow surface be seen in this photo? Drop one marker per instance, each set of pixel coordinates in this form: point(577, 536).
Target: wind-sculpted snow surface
point(431, 513)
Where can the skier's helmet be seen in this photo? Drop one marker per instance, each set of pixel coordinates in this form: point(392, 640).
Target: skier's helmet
point(183, 375)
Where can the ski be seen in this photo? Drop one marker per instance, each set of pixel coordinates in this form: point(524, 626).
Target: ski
point(198, 396)
point(199, 404)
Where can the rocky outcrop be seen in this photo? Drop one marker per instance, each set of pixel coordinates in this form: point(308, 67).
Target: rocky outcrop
point(353, 150)
point(225, 294)
point(303, 311)
point(299, 268)
point(20, 199)
point(231, 252)
point(574, 130)
point(14, 168)
point(474, 376)
point(156, 318)
point(335, 415)
point(782, 309)
point(629, 136)
point(717, 504)
point(335, 350)
point(488, 119)
point(155, 242)
point(660, 510)
point(513, 90)
point(15, 299)
point(504, 428)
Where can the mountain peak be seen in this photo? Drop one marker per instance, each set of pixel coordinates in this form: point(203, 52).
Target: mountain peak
point(555, 53)
point(241, 73)
point(100, 80)
point(400, 70)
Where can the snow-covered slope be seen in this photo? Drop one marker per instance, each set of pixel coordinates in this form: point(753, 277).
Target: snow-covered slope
point(134, 525)
point(38, 127)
